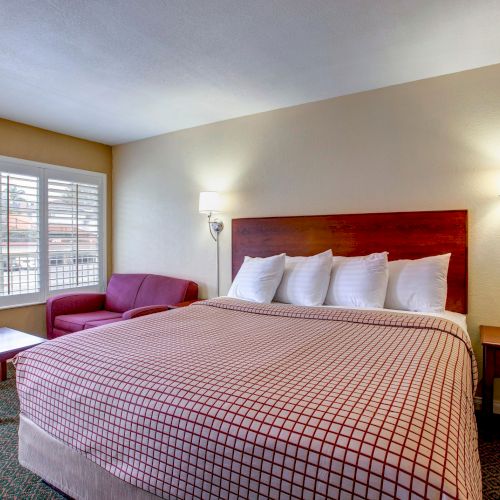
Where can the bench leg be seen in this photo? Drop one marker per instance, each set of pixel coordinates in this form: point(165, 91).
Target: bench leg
point(488, 379)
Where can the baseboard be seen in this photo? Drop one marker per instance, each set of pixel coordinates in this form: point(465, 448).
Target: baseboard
point(478, 403)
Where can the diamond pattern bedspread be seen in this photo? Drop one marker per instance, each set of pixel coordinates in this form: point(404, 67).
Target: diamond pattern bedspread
point(231, 399)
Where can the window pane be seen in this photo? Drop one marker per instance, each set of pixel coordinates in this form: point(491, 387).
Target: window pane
point(19, 234)
point(73, 239)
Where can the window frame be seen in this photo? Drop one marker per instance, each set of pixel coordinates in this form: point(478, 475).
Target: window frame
point(44, 171)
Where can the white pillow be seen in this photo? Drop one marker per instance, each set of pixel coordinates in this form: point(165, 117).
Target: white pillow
point(358, 281)
point(418, 285)
point(305, 280)
point(258, 279)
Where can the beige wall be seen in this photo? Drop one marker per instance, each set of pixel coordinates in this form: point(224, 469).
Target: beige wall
point(427, 145)
point(31, 143)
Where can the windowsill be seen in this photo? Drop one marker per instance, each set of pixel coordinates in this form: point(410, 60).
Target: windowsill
point(17, 306)
point(79, 290)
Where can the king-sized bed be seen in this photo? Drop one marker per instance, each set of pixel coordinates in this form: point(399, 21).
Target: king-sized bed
point(228, 399)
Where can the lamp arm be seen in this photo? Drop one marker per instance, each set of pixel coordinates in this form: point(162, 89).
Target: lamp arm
point(215, 226)
point(210, 227)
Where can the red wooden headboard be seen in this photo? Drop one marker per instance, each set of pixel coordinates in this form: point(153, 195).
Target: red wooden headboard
point(405, 235)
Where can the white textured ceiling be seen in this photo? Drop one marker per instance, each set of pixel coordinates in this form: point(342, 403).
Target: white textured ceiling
point(119, 70)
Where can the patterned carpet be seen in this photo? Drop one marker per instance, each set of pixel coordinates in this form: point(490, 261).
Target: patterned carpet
point(489, 452)
point(17, 482)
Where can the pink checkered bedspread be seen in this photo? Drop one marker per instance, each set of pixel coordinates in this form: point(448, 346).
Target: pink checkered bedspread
point(231, 399)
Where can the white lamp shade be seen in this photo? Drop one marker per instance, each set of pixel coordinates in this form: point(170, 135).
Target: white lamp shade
point(210, 202)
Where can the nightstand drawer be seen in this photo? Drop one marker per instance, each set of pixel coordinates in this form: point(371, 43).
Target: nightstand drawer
point(497, 363)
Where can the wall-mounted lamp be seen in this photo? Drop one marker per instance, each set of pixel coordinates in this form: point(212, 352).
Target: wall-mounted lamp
point(210, 203)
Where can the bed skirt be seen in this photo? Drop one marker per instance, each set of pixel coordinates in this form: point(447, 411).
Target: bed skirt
point(70, 471)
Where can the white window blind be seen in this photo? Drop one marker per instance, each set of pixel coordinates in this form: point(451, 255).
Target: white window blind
point(20, 234)
point(51, 231)
point(73, 234)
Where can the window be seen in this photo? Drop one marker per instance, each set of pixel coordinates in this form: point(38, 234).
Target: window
point(51, 231)
point(19, 234)
point(73, 234)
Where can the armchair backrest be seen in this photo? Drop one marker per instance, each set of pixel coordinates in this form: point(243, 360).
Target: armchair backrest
point(128, 291)
point(162, 290)
point(122, 291)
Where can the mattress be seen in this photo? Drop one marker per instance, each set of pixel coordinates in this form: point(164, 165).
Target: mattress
point(231, 399)
point(458, 318)
point(68, 470)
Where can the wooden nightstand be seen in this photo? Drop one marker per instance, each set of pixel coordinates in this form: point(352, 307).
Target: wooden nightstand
point(490, 339)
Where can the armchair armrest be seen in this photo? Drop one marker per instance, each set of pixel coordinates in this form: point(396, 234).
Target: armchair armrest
point(144, 311)
point(72, 303)
point(183, 304)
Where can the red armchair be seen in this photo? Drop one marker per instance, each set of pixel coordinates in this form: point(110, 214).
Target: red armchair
point(127, 296)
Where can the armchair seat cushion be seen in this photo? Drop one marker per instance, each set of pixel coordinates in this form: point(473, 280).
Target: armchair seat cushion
point(77, 322)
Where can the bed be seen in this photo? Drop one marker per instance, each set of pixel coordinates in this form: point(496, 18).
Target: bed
point(229, 399)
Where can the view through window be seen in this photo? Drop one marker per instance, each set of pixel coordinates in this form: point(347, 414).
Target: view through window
point(73, 234)
point(20, 234)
